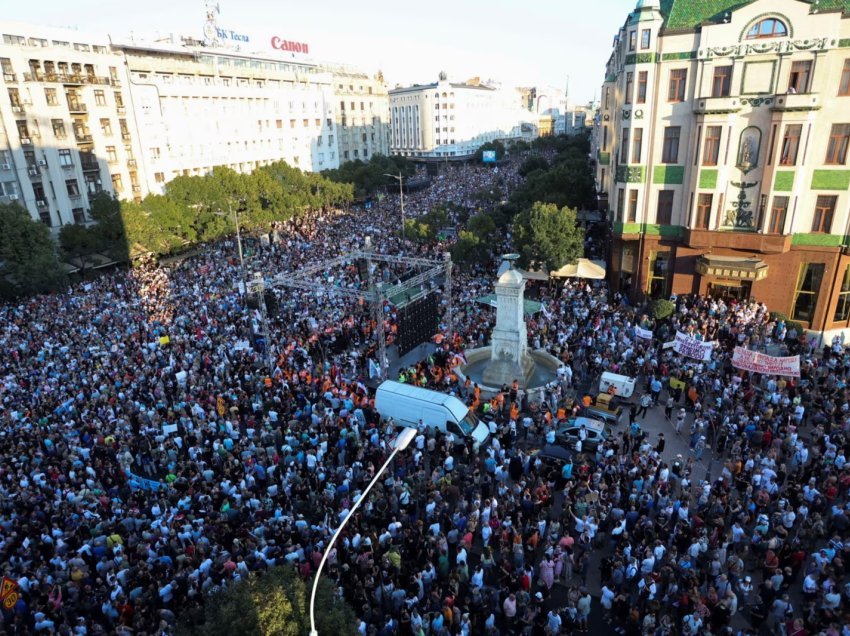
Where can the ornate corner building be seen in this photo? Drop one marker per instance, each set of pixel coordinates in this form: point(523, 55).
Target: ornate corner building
point(721, 145)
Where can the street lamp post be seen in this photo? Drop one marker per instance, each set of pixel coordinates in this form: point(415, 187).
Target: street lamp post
point(402, 441)
point(400, 179)
point(235, 216)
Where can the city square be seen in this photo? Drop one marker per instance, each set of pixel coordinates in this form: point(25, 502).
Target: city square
point(286, 349)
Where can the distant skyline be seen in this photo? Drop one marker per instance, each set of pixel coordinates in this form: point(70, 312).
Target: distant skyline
point(516, 43)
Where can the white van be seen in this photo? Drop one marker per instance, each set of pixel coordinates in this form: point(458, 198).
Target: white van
point(624, 385)
point(407, 405)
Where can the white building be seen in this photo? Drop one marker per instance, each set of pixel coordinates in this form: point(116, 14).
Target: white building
point(447, 119)
point(198, 108)
point(82, 113)
point(66, 128)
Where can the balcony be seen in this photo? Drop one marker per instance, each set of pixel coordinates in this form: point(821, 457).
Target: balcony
point(18, 109)
point(26, 141)
point(89, 166)
point(137, 188)
point(83, 138)
point(9, 77)
point(745, 241)
point(126, 136)
point(131, 163)
point(77, 108)
point(121, 110)
point(789, 102)
point(717, 105)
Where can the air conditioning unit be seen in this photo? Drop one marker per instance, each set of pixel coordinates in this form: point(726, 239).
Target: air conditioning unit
point(13, 197)
point(5, 166)
point(41, 204)
point(42, 162)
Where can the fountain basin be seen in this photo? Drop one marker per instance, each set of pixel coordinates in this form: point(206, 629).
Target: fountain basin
point(543, 372)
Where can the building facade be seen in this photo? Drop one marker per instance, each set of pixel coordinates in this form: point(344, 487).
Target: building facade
point(66, 123)
point(362, 114)
point(84, 113)
point(199, 107)
point(447, 119)
point(721, 145)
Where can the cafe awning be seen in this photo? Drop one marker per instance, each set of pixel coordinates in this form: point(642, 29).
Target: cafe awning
point(738, 267)
point(582, 268)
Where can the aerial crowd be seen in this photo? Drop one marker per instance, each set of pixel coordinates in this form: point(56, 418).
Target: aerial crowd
point(151, 459)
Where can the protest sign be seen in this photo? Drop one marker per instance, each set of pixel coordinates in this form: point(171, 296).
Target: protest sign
point(691, 348)
point(646, 334)
point(762, 363)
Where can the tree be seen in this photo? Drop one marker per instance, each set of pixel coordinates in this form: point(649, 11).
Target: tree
point(28, 262)
point(548, 236)
point(78, 241)
point(661, 308)
point(275, 602)
point(531, 164)
point(469, 248)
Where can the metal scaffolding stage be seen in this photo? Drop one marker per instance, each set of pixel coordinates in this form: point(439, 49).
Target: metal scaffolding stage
point(431, 270)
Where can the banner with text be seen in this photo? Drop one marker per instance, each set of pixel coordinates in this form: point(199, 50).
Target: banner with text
point(763, 363)
point(691, 348)
point(646, 334)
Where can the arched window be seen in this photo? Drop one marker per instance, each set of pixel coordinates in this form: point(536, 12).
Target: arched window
point(767, 28)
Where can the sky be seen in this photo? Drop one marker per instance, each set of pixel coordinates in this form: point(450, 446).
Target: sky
point(516, 42)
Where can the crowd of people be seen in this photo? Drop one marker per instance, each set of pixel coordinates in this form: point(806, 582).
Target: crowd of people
point(150, 458)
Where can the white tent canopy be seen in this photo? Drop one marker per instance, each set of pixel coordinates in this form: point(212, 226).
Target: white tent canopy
point(582, 268)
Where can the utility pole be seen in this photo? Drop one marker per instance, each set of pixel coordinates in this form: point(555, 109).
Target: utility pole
point(377, 312)
point(259, 287)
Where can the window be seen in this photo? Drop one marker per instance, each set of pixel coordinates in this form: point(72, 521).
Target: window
point(842, 309)
point(65, 157)
point(637, 145)
point(659, 266)
point(644, 38)
point(629, 85)
point(79, 215)
point(836, 150)
point(824, 210)
point(632, 40)
point(106, 127)
point(676, 90)
point(633, 201)
point(621, 202)
point(790, 145)
point(670, 149)
point(607, 96)
point(72, 187)
point(117, 184)
point(767, 28)
point(844, 85)
point(59, 128)
point(119, 100)
point(664, 211)
point(798, 79)
point(805, 295)
point(51, 97)
point(703, 219)
point(100, 98)
point(111, 155)
point(711, 150)
point(624, 146)
point(641, 87)
point(722, 81)
point(777, 215)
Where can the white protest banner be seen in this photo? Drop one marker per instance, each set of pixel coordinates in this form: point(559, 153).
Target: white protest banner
point(646, 334)
point(763, 363)
point(691, 348)
point(669, 345)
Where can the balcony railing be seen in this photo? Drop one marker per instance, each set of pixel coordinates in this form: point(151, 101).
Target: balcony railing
point(83, 138)
point(131, 163)
point(9, 77)
point(137, 188)
point(26, 141)
point(77, 107)
point(67, 78)
point(18, 109)
point(126, 136)
point(121, 109)
point(89, 166)
point(796, 102)
point(717, 105)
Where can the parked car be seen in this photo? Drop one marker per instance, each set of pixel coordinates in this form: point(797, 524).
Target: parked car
point(569, 434)
point(611, 417)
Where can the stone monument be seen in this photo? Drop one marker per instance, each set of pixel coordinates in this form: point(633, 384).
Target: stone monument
point(509, 358)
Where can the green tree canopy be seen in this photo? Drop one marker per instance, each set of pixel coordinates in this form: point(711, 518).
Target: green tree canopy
point(367, 177)
point(274, 603)
point(548, 236)
point(28, 261)
point(497, 145)
point(531, 164)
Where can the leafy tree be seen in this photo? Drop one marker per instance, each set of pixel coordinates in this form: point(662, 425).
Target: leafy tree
point(78, 241)
point(548, 236)
point(469, 249)
point(661, 308)
point(520, 146)
point(275, 602)
point(368, 177)
point(28, 262)
point(482, 226)
point(531, 164)
point(416, 230)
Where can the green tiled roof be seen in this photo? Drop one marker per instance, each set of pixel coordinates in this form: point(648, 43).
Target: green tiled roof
point(688, 14)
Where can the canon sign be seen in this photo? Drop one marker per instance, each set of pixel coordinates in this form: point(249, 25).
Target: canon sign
point(289, 45)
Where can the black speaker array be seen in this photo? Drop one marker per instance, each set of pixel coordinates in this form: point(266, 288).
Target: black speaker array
point(272, 305)
point(417, 323)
